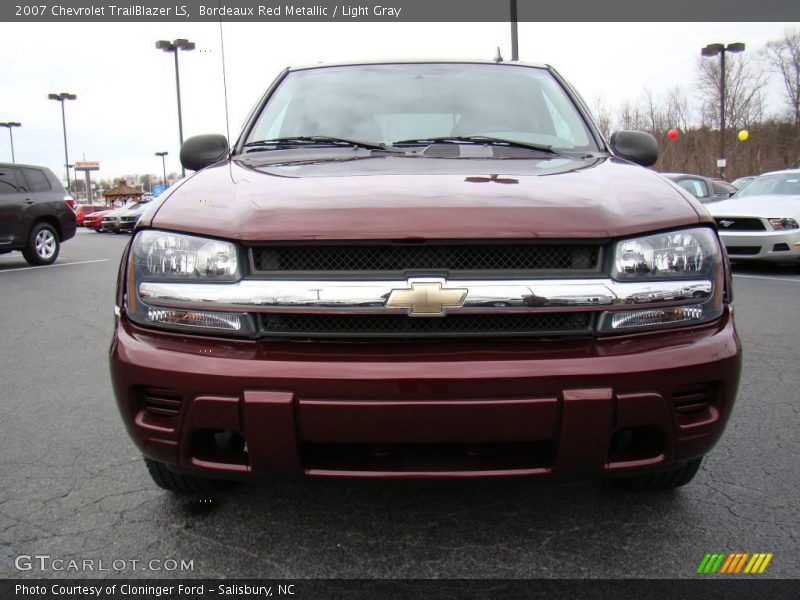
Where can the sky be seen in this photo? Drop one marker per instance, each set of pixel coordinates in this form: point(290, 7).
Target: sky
point(126, 107)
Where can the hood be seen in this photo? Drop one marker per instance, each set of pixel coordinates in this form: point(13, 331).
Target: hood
point(386, 196)
point(132, 212)
point(766, 206)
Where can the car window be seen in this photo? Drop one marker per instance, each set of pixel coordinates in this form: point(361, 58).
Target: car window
point(741, 182)
point(425, 100)
point(696, 187)
point(723, 188)
point(783, 184)
point(11, 181)
point(37, 180)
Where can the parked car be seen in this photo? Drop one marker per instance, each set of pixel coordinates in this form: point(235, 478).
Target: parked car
point(742, 181)
point(110, 222)
point(352, 290)
point(82, 210)
point(760, 223)
point(34, 215)
point(126, 220)
point(704, 189)
point(95, 220)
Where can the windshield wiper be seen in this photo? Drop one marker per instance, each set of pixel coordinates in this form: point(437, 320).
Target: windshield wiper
point(479, 139)
point(308, 140)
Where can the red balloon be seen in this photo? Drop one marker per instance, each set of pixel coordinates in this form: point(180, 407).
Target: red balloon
point(672, 134)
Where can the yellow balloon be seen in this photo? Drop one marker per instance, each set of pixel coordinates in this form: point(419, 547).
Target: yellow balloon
point(743, 135)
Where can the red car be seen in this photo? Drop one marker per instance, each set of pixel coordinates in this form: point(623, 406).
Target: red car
point(95, 220)
point(83, 210)
point(461, 278)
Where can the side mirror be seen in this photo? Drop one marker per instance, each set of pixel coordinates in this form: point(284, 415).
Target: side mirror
point(202, 150)
point(635, 146)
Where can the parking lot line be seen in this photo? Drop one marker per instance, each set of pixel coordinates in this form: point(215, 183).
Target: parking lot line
point(80, 262)
point(768, 278)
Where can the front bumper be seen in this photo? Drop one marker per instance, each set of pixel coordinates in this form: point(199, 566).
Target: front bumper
point(126, 226)
point(588, 408)
point(775, 246)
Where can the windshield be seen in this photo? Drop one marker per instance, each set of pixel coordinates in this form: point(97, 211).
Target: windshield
point(785, 184)
point(384, 104)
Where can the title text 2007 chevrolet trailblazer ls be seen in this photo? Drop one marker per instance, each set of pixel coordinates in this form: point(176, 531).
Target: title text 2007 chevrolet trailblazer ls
point(424, 269)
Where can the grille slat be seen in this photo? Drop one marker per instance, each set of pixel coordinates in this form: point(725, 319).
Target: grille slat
point(160, 402)
point(327, 325)
point(692, 399)
point(438, 256)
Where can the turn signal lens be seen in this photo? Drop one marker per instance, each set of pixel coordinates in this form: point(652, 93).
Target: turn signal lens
point(196, 318)
point(656, 316)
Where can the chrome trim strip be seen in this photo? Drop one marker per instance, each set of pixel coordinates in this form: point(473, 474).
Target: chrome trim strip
point(371, 296)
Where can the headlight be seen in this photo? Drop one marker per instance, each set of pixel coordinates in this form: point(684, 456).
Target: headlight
point(158, 256)
point(685, 254)
point(692, 255)
point(780, 224)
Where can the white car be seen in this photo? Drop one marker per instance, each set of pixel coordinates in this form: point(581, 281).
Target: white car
point(760, 222)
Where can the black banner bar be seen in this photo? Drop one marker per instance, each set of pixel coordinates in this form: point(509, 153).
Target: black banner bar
point(397, 10)
point(711, 588)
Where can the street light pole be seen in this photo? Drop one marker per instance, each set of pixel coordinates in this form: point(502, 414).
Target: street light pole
point(10, 126)
point(174, 46)
point(514, 36)
point(61, 98)
point(713, 50)
point(163, 165)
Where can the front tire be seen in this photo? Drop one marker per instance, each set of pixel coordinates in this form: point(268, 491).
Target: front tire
point(663, 480)
point(43, 245)
point(179, 483)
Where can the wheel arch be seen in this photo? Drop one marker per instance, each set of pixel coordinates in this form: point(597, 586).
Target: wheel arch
point(50, 220)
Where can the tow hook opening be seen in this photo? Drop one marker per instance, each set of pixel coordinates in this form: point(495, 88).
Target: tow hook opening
point(636, 444)
point(223, 446)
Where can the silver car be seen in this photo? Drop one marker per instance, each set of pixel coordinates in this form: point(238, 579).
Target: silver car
point(124, 219)
point(760, 222)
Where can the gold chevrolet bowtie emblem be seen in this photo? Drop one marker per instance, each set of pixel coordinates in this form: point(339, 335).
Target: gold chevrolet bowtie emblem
point(426, 299)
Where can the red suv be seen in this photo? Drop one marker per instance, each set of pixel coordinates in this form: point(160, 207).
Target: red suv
point(424, 270)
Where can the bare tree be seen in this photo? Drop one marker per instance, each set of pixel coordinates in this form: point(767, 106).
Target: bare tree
point(602, 116)
point(145, 181)
point(630, 116)
point(783, 56)
point(744, 102)
point(676, 109)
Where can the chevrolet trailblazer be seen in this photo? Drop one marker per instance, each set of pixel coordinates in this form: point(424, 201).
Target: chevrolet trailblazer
point(424, 269)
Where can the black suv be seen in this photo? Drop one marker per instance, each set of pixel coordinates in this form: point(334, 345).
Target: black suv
point(34, 215)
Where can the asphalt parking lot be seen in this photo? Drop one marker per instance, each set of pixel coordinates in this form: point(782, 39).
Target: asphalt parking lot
point(74, 487)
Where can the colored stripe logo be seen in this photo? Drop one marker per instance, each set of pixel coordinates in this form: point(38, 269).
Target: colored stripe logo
point(737, 562)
